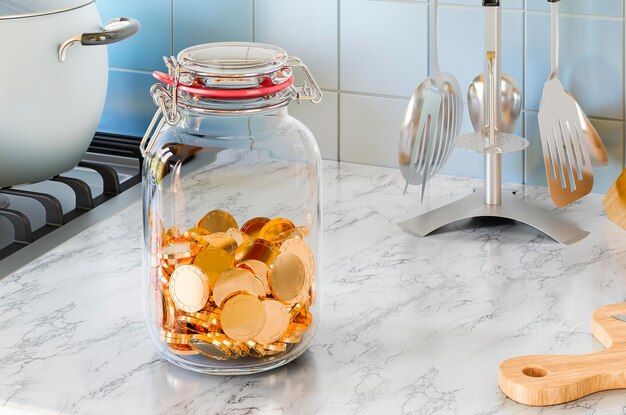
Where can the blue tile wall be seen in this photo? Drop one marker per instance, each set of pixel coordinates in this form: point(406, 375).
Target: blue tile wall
point(369, 55)
point(144, 50)
point(128, 108)
point(202, 21)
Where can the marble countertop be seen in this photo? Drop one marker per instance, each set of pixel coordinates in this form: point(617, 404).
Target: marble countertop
point(409, 326)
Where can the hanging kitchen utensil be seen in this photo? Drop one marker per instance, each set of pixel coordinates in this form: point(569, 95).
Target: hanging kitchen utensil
point(510, 103)
point(615, 201)
point(491, 201)
point(568, 166)
point(597, 152)
point(595, 146)
point(489, 139)
point(422, 156)
point(544, 380)
point(423, 147)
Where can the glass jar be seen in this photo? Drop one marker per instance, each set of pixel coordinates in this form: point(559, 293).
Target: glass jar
point(232, 215)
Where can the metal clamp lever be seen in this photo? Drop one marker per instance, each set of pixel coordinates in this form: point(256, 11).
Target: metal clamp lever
point(313, 92)
point(146, 141)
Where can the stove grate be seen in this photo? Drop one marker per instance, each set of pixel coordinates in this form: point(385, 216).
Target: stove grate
point(103, 143)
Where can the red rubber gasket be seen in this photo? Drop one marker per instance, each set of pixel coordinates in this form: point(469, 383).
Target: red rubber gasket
point(226, 93)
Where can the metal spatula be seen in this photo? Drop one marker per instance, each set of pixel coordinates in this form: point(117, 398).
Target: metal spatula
point(568, 165)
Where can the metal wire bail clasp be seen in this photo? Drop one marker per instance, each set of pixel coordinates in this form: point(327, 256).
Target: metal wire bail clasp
point(166, 99)
point(311, 91)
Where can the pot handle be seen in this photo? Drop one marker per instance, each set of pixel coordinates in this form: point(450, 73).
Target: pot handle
point(113, 31)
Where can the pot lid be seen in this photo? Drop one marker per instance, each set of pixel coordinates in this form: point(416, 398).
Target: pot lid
point(16, 9)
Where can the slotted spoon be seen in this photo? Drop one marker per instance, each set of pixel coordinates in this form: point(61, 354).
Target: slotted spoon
point(568, 165)
point(422, 155)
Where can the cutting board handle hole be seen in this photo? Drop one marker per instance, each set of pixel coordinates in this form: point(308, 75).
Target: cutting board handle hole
point(535, 372)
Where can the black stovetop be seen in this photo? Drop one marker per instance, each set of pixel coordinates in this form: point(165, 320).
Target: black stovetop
point(103, 149)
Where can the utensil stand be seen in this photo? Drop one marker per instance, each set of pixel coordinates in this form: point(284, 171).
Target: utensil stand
point(491, 202)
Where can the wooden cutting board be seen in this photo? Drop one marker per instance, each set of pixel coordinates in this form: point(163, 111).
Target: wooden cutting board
point(615, 201)
point(544, 380)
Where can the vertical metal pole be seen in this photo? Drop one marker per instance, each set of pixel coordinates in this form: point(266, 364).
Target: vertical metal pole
point(493, 161)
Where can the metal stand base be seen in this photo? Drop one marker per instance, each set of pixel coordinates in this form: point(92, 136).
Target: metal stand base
point(4, 201)
point(473, 206)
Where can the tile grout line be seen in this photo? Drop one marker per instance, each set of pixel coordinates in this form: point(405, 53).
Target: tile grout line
point(523, 113)
point(338, 145)
point(172, 27)
point(511, 9)
point(254, 20)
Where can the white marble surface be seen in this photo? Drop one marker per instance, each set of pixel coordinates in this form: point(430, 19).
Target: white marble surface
point(410, 326)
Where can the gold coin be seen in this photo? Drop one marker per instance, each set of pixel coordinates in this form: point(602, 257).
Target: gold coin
point(170, 265)
point(258, 249)
point(165, 271)
point(209, 319)
point(196, 235)
point(304, 318)
point(301, 249)
point(173, 232)
point(174, 337)
point(255, 349)
point(169, 320)
point(298, 247)
point(209, 308)
point(276, 322)
point(213, 261)
point(243, 317)
point(295, 310)
point(221, 240)
point(275, 227)
point(196, 325)
point(287, 278)
point(217, 221)
point(296, 329)
point(291, 337)
point(184, 261)
point(312, 294)
point(239, 348)
point(259, 269)
point(237, 235)
point(254, 226)
point(275, 347)
point(182, 349)
point(189, 287)
point(299, 232)
point(236, 281)
point(179, 250)
point(211, 345)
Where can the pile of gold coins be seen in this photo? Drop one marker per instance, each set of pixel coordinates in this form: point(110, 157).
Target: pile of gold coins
point(228, 292)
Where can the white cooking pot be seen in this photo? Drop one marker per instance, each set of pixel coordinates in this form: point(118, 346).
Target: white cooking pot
point(53, 82)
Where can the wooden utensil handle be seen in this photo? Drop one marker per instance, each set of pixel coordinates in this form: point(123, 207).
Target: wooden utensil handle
point(550, 380)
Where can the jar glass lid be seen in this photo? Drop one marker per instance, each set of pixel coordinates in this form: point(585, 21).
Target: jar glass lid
point(231, 78)
point(232, 59)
